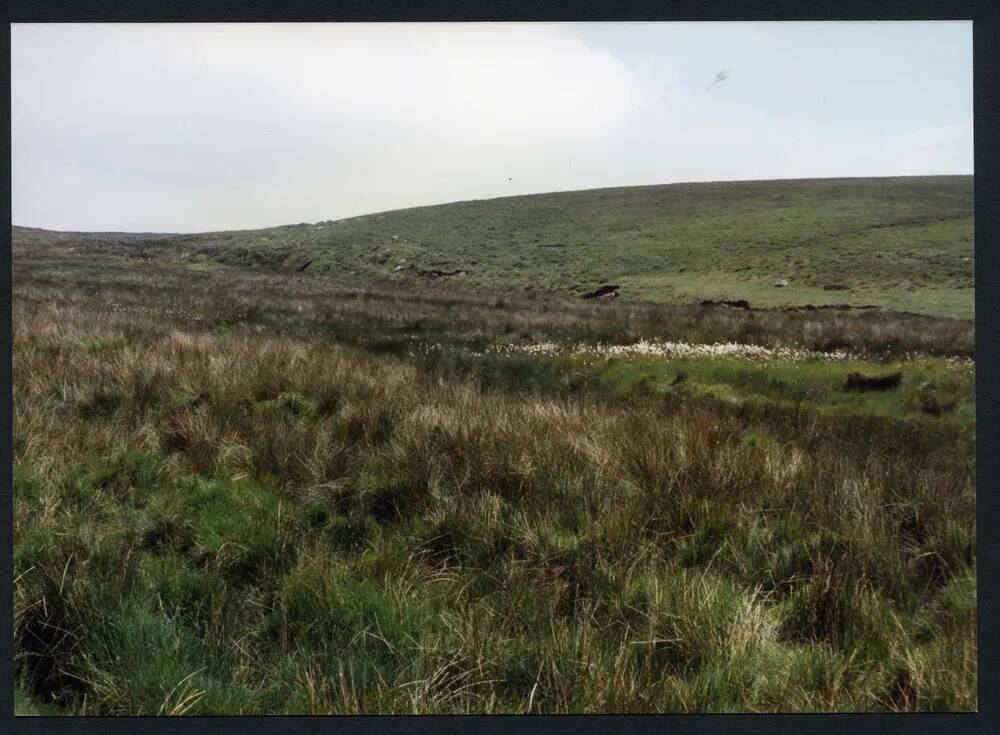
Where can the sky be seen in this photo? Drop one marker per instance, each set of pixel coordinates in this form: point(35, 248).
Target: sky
point(187, 128)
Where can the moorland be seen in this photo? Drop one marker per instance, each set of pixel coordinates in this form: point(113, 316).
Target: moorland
point(395, 463)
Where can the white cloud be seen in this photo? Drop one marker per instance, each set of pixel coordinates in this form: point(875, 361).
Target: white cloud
point(159, 127)
point(343, 116)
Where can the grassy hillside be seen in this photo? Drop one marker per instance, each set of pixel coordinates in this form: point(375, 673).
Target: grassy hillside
point(898, 243)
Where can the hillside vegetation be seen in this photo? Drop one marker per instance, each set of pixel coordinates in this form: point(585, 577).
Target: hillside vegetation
point(898, 243)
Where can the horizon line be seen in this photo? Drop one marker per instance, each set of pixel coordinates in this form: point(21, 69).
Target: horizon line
point(487, 199)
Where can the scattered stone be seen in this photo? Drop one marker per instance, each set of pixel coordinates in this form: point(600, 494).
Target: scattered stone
point(781, 284)
point(441, 274)
point(399, 268)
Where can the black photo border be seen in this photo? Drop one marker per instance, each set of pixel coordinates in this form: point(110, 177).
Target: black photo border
point(986, 53)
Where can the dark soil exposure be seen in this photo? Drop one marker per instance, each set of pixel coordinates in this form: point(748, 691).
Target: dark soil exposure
point(857, 381)
point(607, 291)
point(734, 303)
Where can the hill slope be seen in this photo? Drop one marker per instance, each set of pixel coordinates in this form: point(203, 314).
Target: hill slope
point(901, 243)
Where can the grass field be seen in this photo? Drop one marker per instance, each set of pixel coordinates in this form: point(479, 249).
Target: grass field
point(244, 488)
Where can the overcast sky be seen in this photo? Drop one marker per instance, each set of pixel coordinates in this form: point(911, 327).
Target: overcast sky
point(201, 127)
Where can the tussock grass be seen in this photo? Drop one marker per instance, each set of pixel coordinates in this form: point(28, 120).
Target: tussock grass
point(278, 513)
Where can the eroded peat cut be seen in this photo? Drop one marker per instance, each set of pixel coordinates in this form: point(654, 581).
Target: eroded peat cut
point(392, 500)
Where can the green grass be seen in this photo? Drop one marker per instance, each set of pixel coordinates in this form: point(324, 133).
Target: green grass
point(899, 243)
point(930, 386)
